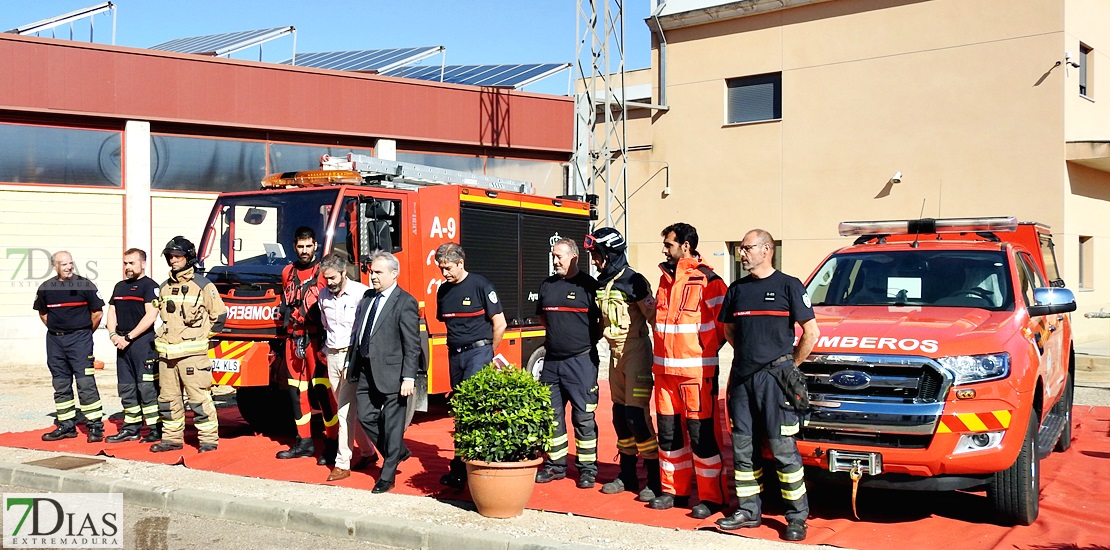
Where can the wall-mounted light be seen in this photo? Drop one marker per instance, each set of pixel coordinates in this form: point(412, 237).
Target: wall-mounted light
point(896, 178)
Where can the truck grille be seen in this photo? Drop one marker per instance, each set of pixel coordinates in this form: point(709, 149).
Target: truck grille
point(880, 400)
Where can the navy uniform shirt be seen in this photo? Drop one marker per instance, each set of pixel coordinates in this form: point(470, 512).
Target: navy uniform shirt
point(130, 298)
point(763, 312)
point(68, 304)
point(573, 318)
point(466, 308)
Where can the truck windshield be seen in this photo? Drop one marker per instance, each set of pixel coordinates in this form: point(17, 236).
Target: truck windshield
point(251, 237)
point(946, 278)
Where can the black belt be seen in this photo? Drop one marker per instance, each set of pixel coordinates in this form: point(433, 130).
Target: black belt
point(782, 360)
point(475, 345)
point(65, 332)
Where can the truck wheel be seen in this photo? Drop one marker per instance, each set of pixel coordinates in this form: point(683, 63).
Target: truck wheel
point(1063, 408)
point(266, 409)
point(535, 362)
point(1015, 492)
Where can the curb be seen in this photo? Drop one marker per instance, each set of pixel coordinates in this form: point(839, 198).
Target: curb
point(389, 531)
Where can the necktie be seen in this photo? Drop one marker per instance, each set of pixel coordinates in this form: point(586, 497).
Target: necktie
point(364, 347)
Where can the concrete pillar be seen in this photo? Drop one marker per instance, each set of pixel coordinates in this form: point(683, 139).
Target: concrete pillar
point(136, 181)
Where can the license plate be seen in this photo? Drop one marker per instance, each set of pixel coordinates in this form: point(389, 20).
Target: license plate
point(225, 365)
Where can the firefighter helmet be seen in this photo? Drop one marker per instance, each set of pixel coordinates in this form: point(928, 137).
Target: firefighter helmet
point(605, 240)
point(181, 245)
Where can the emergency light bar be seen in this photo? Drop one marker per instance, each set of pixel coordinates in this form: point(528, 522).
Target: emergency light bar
point(311, 178)
point(928, 226)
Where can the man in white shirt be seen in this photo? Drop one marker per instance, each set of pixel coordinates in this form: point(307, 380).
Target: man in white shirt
point(338, 302)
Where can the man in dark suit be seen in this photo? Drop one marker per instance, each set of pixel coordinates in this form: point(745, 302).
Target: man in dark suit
point(383, 361)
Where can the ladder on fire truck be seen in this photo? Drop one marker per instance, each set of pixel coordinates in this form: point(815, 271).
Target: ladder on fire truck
point(406, 175)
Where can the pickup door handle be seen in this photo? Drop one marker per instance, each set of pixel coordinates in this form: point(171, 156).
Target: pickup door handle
point(1052, 328)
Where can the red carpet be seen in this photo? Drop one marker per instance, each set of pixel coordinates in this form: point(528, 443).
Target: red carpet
point(1074, 498)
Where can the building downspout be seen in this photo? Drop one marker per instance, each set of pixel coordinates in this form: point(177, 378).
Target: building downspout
point(662, 55)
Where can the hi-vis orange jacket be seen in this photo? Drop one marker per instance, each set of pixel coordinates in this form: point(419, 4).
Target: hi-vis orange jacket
point(687, 335)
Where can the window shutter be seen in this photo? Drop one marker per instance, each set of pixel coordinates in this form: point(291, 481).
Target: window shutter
point(754, 98)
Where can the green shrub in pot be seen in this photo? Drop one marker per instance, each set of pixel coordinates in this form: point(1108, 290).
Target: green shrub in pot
point(502, 414)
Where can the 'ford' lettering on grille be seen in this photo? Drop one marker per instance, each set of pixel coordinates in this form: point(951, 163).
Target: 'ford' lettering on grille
point(850, 380)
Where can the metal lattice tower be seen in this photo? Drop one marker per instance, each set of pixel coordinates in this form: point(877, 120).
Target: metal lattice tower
point(600, 145)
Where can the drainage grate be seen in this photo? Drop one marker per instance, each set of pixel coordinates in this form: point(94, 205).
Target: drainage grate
point(66, 462)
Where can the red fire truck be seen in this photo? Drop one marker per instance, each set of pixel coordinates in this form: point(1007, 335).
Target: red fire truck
point(945, 360)
point(357, 205)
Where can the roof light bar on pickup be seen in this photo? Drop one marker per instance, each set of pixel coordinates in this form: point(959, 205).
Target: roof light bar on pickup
point(311, 178)
point(928, 226)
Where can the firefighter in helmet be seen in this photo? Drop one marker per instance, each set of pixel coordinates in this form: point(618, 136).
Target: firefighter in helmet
point(191, 310)
point(627, 310)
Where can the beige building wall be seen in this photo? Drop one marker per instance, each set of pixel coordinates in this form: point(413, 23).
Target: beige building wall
point(963, 98)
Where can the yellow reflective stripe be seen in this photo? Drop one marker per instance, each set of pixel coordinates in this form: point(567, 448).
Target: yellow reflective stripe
point(304, 420)
point(556, 455)
point(795, 494)
point(792, 477)
point(587, 457)
point(148, 378)
point(152, 421)
point(65, 404)
point(332, 421)
point(560, 440)
point(321, 382)
point(627, 442)
point(586, 443)
point(150, 408)
point(972, 422)
point(89, 371)
point(647, 446)
point(788, 429)
point(743, 491)
point(90, 406)
point(641, 392)
point(1003, 418)
point(132, 408)
point(299, 384)
point(183, 348)
point(67, 415)
point(173, 425)
point(742, 475)
point(591, 407)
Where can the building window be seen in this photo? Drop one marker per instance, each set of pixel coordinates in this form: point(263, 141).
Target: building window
point(754, 98)
point(205, 164)
point(1086, 84)
point(1086, 262)
point(59, 156)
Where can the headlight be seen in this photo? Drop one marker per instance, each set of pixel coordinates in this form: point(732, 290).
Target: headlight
point(977, 368)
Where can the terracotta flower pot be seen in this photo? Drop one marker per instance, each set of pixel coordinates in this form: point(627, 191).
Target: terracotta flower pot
point(501, 489)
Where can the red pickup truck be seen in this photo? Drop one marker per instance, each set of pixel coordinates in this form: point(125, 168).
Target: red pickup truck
point(945, 360)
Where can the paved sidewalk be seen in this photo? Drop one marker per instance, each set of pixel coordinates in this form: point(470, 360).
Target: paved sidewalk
point(394, 520)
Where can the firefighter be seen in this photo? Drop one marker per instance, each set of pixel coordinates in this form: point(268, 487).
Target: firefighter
point(131, 316)
point(305, 357)
point(191, 310)
point(70, 307)
point(567, 306)
point(468, 305)
point(686, 341)
point(759, 313)
point(627, 311)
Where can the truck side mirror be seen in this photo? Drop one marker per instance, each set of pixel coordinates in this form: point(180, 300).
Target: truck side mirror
point(375, 227)
point(1048, 301)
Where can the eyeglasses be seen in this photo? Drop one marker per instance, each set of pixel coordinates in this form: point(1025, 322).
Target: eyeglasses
point(749, 247)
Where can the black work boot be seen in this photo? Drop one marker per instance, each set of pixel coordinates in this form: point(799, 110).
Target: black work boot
point(456, 477)
point(127, 433)
point(666, 501)
point(163, 446)
point(331, 449)
point(627, 480)
point(654, 486)
point(60, 433)
point(96, 435)
point(302, 448)
point(795, 530)
point(155, 434)
point(739, 520)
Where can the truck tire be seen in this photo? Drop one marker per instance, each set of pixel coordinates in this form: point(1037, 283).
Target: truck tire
point(266, 409)
point(535, 362)
point(1016, 491)
point(1063, 408)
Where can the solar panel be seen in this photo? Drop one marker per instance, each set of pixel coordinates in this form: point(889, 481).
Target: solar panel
point(364, 60)
point(512, 76)
point(221, 44)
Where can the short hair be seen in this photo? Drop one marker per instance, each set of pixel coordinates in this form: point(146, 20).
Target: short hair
point(450, 252)
point(389, 258)
point(304, 232)
point(334, 261)
point(683, 233)
point(54, 256)
point(764, 238)
point(139, 251)
point(569, 243)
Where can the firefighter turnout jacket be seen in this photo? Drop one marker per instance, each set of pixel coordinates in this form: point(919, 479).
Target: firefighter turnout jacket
point(191, 309)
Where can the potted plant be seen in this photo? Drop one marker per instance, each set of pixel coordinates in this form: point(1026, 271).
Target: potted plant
point(503, 420)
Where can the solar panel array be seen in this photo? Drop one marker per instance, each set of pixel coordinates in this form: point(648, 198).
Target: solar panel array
point(364, 60)
point(213, 43)
point(513, 76)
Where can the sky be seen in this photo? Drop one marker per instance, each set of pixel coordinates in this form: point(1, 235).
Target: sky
point(473, 31)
